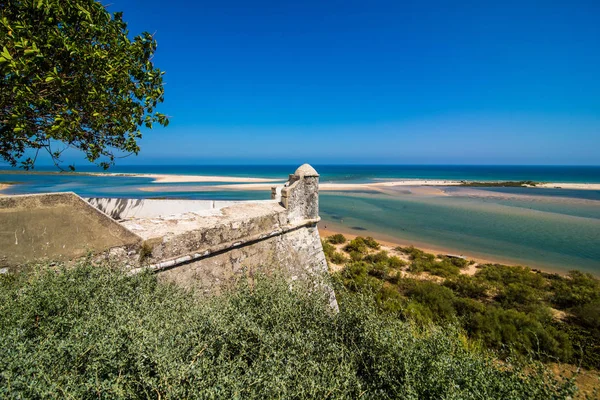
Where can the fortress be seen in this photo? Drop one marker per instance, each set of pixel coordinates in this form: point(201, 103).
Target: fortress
point(203, 244)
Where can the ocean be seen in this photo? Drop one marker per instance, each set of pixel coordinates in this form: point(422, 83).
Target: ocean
point(555, 229)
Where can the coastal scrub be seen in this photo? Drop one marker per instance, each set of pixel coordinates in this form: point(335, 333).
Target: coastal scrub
point(93, 331)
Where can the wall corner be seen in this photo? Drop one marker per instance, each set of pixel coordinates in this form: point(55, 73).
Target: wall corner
point(300, 195)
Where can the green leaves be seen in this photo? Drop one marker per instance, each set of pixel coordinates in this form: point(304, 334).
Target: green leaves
point(92, 331)
point(5, 55)
point(70, 75)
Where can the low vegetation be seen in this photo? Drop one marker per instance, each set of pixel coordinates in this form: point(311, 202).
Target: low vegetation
point(338, 238)
point(513, 311)
point(94, 332)
point(440, 266)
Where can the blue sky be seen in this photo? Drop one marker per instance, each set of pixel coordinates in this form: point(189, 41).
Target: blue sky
point(327, 81)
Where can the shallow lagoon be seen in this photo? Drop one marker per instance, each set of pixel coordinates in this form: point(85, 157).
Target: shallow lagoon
point(552, 233)
point(552, 228)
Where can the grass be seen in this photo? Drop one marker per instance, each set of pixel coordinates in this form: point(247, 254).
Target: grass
point(92, 331)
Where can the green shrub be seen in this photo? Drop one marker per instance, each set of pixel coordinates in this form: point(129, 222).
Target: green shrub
point(338, 238)
point(379, 270)
point(529, 329)
point(467, 286)
point(355, 276)
point(380, 257)
point(443, 268)
point(466, 307)
point(438, 299)
point(92, 331)
point(390, 300)
point(328, 249)
point(357, 245)
point(456, 261)
point(371, 243)
point(356, 256)
point(396, 262)
point(517, 295)
point(576, 289)
point(503, 275)
point(585, 343)
point(511, 329)
point(426, 262)
point(588, 315)
point(416, 254)
point(418, 313)
point(338, 258)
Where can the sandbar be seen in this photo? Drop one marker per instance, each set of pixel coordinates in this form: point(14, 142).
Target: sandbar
point(168, 178)
point(251, 184)
point(4, 186)
point(578, 186)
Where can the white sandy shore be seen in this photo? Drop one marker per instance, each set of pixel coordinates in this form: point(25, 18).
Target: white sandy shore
point(580, 186)
point(3, 186)
point(167, 178)
point(322, 186)
point(376, 186)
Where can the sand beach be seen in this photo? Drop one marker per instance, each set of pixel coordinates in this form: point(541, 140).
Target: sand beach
point(4, 186)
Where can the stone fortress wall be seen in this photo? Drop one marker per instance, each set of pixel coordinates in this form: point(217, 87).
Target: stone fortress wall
point(201, 244)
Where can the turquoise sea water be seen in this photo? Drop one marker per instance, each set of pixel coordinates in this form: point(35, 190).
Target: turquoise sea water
point(553, 228)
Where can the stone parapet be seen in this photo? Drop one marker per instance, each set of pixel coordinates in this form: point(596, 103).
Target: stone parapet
point(56, 227)
point(300, 195)
point(200, 244)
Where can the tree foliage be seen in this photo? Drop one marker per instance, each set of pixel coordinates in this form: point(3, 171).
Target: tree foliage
point(70, 77)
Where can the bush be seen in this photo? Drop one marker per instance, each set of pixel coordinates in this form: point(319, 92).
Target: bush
point(357, 245)
point(438, 299)
point(328, 249)
point(338, 258)
point(95, 332)
point(416, 254)
point(338, 238)
point(517, 295)
point(395, 262)
point(379, 270)
point(425, 262)
point(503, 275)
point(518, 319)
point(512, 329)
point(456, 261)
point(356, 256)
point(576, 289)
point(380, 257)
point(371, 243)
point(467, 286)
point(466, 307)
point(588, 315)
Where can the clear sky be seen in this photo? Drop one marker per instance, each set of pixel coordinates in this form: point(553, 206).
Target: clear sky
point(402, 82)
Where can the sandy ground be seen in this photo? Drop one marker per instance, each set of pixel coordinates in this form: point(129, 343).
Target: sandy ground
point(3, 186)
point(166, 178)
point(389, 246)
point(580, 186)
point(425, 186)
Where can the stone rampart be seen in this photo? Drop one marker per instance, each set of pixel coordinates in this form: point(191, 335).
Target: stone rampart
point(55, 226)
point(201, 244)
